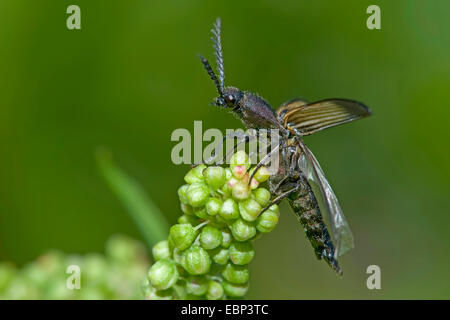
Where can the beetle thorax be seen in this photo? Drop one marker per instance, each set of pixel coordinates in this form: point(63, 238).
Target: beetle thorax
point(255, 112)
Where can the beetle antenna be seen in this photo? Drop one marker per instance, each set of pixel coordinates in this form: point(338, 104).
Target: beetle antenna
point(211, 73)
point(217, 44)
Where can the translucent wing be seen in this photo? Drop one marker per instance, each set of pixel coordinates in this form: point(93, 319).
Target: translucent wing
point(341, 233)
point(307, 118)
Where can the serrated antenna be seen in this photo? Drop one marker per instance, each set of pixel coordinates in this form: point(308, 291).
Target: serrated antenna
point(217, 44)
point(211, 74)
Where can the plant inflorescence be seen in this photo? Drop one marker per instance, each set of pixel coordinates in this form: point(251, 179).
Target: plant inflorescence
point(116, 275)
point(207, 253)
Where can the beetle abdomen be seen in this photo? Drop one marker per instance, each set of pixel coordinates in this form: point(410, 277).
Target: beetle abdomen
point(306, 208)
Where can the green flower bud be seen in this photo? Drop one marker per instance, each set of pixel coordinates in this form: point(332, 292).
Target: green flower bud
point(267, 221)
point(163, 274)
point(213, 206)
point(150, 293)
point(196, 285)
point(228, 173)
point(192, 220)
point(215, 290)
point(262, 196)
point(187, 209)
point(179, 289)
point(249, 209)
point(220, 256)
point(229, 210)
point(225, 190)
point(226, 238)
point(241, 253)
point(235, 290)
point(274, 208)
point(182, 235)
point(178, 257)
point(239, 171)
point(195, 174)
point(196, 260)
point(240, 191)
point(210, 237)
point(254, 184)
point(231, 182)
point(262, 174)
point(243, 230)
point(182, 193)
point(201, 213)
point(215, 177)
point(240, 158)
point(161, 250)
point(197, 194)
point(218, 222)
point(94, 267)
point(236, 274)
point(228, 186)
point(122, 249)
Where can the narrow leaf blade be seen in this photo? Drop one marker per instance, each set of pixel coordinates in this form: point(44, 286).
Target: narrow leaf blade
point(148, 218)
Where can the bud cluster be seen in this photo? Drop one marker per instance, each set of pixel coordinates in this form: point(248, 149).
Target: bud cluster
point(208, 252)
point(116, 275)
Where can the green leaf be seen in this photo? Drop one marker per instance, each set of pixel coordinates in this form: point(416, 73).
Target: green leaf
point(149, 219)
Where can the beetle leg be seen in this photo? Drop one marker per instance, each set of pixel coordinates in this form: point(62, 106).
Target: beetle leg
point(280, 197)
point(262, 162)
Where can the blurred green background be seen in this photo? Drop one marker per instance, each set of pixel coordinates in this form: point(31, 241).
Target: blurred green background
point(131, 76)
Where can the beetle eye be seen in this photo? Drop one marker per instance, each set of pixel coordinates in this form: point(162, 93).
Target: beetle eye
point(230, 99)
